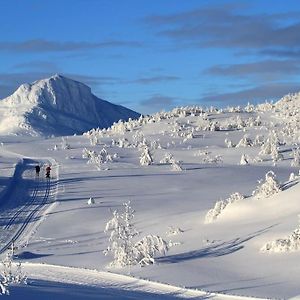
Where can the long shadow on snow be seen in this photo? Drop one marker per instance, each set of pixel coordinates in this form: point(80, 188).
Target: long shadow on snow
point(42, 289)
point(221, 249)
point(76, 179)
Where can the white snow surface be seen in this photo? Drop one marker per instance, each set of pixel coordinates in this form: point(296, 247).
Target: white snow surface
point(57, 106)
point(66, 235)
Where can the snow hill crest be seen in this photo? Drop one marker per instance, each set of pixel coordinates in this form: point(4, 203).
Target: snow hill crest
point(57, 106)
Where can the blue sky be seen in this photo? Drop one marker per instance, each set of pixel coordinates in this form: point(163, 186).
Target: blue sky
point(151, 55)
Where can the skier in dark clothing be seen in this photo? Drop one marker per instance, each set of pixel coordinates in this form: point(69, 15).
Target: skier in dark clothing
point(48, 169)
point(37, 170)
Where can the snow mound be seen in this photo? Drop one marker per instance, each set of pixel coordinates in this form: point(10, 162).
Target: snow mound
point(57, 106)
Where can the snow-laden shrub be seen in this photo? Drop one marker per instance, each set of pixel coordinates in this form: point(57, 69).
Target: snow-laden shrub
point(245, 142)
point(138, 137)
point(86, 153)
point(10, 273)
point(275, 155)
point(167, 159)
point(289, 244)
point(268, 188)
point(213, 160)
point(91, 201)
point(296, 158)
point(229, 143)
point(146, 157)
point(258, 140)
point(270, 144)
point(219, 207)
point(244, 159)
point(155, 145)
point(148, 247)
point(125, 251)
point(176, 165)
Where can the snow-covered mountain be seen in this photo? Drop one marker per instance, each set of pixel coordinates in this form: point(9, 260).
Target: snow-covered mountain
point(57, 106)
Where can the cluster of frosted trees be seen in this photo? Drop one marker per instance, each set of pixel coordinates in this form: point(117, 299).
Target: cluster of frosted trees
point(11, 273)
point(289, 244)
point(265, 189)
point(98, 159)
point(124, 246)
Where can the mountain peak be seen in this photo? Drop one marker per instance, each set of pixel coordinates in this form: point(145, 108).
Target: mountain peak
point(57, 106)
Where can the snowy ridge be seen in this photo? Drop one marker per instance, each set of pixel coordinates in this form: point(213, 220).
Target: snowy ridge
point(57, 106)
point(117, 283)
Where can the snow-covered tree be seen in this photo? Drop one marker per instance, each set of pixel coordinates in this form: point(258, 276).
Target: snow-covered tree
point(91, 201)
point(245, 142)
point(219, 207)
point(176, 165)
point(270, 143)
point(11, 273)
point(121, 234)
point(167, 159)
point(146, 157)
point(244, 159)
point(229, 143)
point(296, 158)
point(275, 155)
point(125, 251)
point(148, 247)
point(289, 244)
point(268, 188)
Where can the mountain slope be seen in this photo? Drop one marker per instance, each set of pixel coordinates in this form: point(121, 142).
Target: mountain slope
point(57, 106)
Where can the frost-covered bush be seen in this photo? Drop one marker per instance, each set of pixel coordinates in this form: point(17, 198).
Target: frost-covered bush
point(167, 159)
point(146, 157)
point(213, 160)
point(296, 158)
point(229, 143)
point(245, 142)
point(91, 201)
point(289, 244)
point(125, 251)
point(259, 140)
point(11, 273)
point(244, 159)
point(219, 207)
point(176, 165)
point(268, 188)
point(270, 144)
point(88, 153)
point(148, 247)
point(275, 155)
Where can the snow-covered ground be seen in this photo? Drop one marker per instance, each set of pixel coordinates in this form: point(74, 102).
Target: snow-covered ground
point(223, 256)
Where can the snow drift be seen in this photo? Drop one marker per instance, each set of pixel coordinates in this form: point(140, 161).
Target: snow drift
point(57, 106)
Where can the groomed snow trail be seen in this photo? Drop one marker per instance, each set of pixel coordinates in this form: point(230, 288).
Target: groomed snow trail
point(47, 280)
point(23, 203)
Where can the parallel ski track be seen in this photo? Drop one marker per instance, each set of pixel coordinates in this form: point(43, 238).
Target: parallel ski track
point(33, 197)
point(28, 218)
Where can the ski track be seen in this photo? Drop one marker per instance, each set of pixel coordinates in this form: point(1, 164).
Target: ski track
point(30, 210)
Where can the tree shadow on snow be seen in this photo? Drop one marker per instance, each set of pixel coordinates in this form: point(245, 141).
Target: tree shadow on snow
point(214, 250)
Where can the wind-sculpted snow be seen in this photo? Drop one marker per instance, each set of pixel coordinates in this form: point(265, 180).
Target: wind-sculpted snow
point(57, 106)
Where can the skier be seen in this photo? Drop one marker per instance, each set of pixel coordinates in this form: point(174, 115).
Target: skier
point(37, 170)
point(48, 169)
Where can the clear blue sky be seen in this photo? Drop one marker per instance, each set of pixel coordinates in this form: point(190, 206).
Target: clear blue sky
point(151, 55)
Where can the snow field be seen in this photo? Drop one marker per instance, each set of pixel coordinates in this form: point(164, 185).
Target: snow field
point(221, 257)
